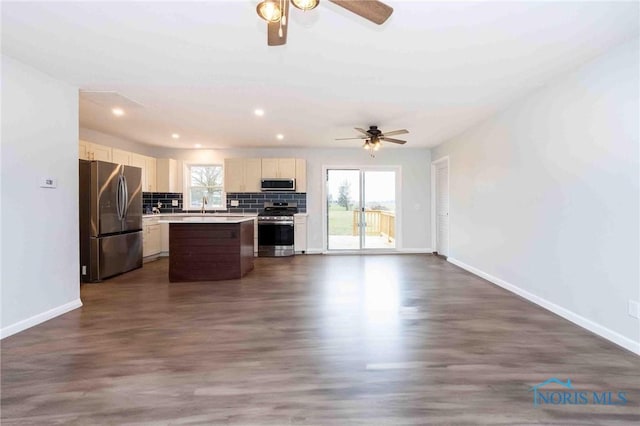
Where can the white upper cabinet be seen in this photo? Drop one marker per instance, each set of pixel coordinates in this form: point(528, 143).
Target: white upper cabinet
point(278, 168)
point(148, 166)
point(167, 179)
point(93, 151)
point(242, 174)
point(119, 156)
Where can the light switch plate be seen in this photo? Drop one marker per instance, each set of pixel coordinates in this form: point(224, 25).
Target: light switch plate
point(48, 182)
point(174, 203)
point(235, 203)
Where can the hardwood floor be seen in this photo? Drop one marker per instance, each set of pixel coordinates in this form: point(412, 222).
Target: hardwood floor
point(310, 340)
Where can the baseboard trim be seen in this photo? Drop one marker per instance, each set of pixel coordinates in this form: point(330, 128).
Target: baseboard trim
point(314, 251)
point(39, 318)
point(399, 251)
point(415, 251)
point(579, 320)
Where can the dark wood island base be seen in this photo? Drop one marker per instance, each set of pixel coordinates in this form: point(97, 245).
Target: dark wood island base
point(210, 251)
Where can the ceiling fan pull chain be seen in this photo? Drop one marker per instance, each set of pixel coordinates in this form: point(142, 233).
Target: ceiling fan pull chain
point(283, 20)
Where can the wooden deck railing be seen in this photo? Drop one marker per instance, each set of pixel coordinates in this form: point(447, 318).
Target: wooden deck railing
point(379, 222)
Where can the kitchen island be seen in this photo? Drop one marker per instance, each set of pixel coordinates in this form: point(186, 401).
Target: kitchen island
point(209, 248)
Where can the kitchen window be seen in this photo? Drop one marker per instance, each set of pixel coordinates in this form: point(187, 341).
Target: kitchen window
point(205, 183)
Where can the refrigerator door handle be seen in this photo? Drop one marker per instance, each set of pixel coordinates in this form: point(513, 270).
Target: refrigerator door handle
point(126, 197)
point(120, 198)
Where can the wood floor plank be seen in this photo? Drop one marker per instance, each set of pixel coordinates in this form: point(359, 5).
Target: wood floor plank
point(309, 340)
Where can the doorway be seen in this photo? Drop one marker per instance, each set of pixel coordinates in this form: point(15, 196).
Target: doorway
point(361, 209)
point(440, 205)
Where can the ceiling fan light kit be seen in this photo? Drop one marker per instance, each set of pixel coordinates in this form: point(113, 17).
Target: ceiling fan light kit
point(305, 4)
point(374, 137)
point(269, 10)
point(276, 13)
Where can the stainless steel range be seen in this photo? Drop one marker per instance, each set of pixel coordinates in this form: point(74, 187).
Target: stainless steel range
point(275, 229)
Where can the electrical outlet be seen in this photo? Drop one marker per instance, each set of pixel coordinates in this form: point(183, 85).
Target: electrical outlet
point(634, 309)
point(235, 203)
point(174, 203)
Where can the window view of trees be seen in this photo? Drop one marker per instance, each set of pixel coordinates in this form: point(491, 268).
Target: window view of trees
point(206, 181)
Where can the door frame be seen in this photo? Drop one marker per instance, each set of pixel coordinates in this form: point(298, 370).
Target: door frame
point(325, 230)
point(434, 224)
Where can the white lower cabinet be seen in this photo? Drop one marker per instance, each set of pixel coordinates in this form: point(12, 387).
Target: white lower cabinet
point(300, 233)
point(164, 239)
point(151, 238)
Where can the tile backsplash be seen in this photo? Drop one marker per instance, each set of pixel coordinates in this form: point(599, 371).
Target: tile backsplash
point(253, 202)
point(248, 202)
point(151, 199)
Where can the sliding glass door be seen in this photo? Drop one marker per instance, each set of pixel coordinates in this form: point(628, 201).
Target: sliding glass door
point(361, 206)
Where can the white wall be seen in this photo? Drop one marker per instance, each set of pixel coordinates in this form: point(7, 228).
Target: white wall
point(545, 196)
point(415, 195)
point(100, 138)
point(39, 275)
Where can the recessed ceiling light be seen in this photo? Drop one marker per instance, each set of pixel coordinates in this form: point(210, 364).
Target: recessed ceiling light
point(259, 112)
point(119, 112)
point(175, 136)
point(280, 136)
point(198, 145)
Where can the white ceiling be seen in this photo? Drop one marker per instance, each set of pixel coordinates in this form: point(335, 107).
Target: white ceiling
point(200, 69)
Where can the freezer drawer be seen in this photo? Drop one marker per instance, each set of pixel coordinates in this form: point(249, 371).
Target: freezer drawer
point(113, 255)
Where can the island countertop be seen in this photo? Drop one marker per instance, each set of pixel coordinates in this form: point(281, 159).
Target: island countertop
point(207, 219)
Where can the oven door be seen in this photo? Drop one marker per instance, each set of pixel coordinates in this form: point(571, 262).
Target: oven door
point(275, 238)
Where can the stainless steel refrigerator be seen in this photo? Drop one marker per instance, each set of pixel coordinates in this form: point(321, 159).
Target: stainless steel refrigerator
point(110, 219)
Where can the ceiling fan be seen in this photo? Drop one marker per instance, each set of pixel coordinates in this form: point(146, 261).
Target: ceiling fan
point(374, 136)
point(276, 13)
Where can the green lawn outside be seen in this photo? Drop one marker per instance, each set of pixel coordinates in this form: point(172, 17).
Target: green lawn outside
point(340, 220)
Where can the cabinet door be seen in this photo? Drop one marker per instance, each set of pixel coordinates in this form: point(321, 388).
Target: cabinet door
point(287, 168)
point(269, 168)
point(138, 160)
point(100, 152)
point(150, 164)
point(234, 175)
point(145, 239)
point(119, 156)
point(300, 233)
point(151, 239)
point(252, 174)
point(301, 175)
point(164, 237)
point(167, 175)
point(154, 239)
point(83, 150)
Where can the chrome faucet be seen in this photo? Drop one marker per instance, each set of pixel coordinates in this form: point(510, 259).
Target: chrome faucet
point(204, 203)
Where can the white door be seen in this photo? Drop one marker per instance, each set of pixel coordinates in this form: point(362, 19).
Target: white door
point(442, 208)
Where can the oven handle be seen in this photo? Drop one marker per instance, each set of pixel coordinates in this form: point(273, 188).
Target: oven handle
point(279, 222)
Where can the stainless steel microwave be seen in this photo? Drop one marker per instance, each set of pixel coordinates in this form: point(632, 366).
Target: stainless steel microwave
point(277, 184)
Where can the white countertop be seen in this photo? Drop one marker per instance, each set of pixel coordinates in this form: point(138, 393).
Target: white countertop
point(206, 219)
point(163, 215)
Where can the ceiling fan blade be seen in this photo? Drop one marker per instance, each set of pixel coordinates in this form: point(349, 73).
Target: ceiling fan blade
point(273, 29)
point(363, 131)
point(373, 10)
point(401, 142)
point(349, 139)
point(396, 132)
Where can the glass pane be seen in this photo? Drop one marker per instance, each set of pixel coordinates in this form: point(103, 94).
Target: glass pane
point(206, 181)
point(380, 209)
point(343, 208)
